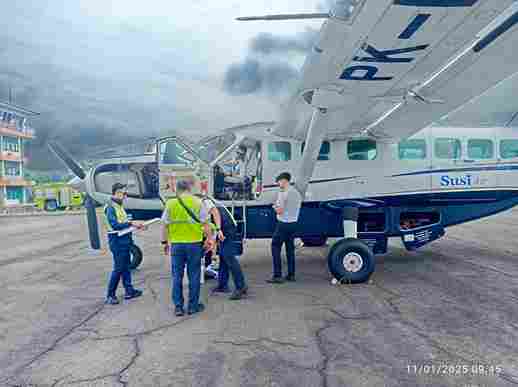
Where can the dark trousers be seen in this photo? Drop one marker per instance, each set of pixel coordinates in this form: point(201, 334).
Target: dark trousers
point(121, 263)
point(186, 254)
point(284, 234)
point(228, 264)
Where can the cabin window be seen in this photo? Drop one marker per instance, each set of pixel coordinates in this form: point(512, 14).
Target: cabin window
point(480, 149)
point(413, 149)
point(509, 149)
point(325, 150)
point(447, 148)
point(279, 151)
point(361, 150)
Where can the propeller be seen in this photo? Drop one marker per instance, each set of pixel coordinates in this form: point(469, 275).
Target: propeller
point(67, 159)
point(90, 203)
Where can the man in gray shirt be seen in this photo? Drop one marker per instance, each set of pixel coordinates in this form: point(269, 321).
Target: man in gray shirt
point(287, 208)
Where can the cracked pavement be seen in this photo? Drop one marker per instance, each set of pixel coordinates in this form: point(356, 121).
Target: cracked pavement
point(452, 303)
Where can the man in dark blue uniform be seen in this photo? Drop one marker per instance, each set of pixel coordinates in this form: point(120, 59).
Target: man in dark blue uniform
point(116, 220)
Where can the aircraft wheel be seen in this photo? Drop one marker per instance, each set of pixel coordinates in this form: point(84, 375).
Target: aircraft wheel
point(136, 257)
point(350, 260)
point(314, 241)
point(51, 205)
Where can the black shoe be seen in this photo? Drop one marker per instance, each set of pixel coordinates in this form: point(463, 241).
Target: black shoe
point(133, 294)
point(217, 289)
point(112, 301)
point(239, 293)
point(275, 280)
point(290, 278)
point(198, 309)
point(179, 312)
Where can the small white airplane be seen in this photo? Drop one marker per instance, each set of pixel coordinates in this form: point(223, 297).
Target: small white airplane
point(357, 137)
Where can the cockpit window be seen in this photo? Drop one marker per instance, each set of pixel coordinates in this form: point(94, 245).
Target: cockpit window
point(209, 149)
point(171, 152)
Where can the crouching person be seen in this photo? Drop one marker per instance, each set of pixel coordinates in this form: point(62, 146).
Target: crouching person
point(116, 219)
point(184, 224)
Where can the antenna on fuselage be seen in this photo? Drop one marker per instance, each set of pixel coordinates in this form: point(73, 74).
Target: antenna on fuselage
point(289, 16)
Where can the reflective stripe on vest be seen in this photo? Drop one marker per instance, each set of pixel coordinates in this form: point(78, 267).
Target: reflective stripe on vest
point(120, 212)
point(183, 229)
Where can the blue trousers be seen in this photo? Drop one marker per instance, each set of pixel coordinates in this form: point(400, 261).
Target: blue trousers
point(229, 264)
point(121, 263)
point(186, 254)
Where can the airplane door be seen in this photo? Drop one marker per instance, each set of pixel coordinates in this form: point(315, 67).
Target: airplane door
point(178, 161)
point(463, 158)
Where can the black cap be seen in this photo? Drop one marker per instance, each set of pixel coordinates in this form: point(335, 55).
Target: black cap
point(283, 176)
point(117, 187)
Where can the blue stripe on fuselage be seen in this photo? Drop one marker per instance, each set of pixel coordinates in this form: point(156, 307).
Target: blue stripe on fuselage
point(464, 169)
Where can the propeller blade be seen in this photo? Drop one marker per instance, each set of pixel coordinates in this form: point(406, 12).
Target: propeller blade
point(67, 159)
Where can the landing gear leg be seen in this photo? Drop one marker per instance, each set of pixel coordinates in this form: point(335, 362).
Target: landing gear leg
point(350, 260)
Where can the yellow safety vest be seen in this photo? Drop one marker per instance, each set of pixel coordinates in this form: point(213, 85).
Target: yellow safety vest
point(183, 229)
point(122, 216)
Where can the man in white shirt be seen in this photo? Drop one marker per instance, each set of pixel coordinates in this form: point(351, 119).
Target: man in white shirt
point(287, 208)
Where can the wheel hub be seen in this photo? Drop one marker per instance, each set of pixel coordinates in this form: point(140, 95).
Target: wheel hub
point(353, 262)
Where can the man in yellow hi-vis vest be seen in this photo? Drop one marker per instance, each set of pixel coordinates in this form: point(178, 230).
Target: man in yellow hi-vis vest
point(116, 219)
point(185, 221)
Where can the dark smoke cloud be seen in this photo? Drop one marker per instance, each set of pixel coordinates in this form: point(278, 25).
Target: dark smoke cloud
point(265, 69)
point(252, 76)
point(268, 44)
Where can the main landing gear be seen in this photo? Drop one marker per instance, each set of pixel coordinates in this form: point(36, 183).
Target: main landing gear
point(350, 260)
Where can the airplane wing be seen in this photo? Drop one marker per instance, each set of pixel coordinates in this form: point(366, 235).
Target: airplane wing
point(388, 68)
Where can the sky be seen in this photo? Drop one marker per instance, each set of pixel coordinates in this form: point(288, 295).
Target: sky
point(111, 72)
point(104, 72)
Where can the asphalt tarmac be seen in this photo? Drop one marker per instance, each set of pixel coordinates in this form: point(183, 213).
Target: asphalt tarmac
point(446, 315)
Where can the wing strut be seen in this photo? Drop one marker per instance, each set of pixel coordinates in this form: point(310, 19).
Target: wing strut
point(313, 142)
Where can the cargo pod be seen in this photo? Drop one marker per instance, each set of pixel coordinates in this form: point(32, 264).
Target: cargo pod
point(419, 228)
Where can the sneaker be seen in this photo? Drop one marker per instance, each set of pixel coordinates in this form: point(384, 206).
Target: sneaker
point(112, 301)
point(134, 294)
point(239, 293)
point(275, 280)
point(199, 309)
point(179, 312)
point(217, 289)
point(290, 278)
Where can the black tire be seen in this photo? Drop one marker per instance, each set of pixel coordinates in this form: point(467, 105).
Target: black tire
point(136, 257)
point(358, 269)
point(51, 205)
point(314, 241)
